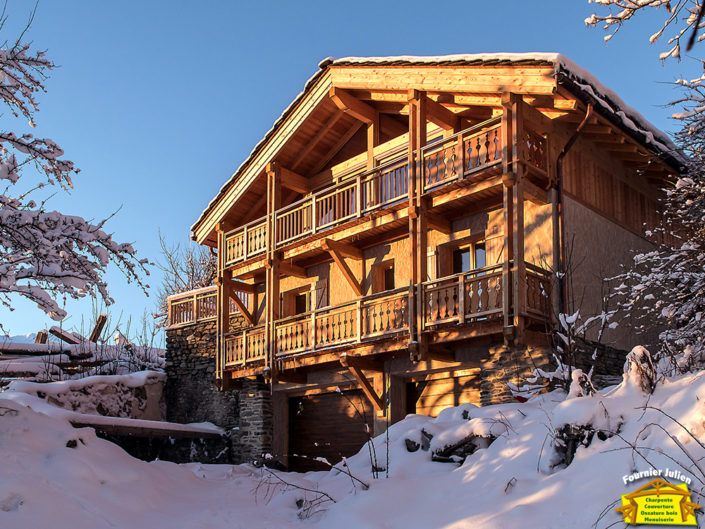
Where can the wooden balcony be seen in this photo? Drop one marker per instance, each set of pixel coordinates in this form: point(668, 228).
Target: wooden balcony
point(443, 162)
point(196, 306)
point(466, 299)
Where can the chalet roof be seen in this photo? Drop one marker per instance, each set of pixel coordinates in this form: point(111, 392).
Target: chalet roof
point(568, 74)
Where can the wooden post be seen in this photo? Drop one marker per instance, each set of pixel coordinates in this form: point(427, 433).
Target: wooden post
point(417, 221)
point(272, 268)
point(519, 294)
point(508, 181)
point(222, 307)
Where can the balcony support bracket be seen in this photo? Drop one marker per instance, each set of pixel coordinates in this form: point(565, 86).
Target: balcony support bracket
point(243, 309)
point(338, 251)
point(355, 365)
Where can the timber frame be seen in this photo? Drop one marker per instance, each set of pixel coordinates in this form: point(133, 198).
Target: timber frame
point(404, 151)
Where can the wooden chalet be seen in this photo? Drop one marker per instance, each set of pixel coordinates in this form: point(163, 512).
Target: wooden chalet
point(389, 243)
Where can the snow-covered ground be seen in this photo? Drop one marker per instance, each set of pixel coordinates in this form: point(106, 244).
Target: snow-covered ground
point(516, 482)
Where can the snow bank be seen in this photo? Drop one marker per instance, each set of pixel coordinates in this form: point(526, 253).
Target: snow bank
point(517, 481)
point(137, 395)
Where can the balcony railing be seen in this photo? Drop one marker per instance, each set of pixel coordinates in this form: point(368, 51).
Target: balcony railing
point(246, 346)
point(538, 290)
point(462, 154)
point(363, 319)
point(196, 306)
point(443, 162)
point(463, 297)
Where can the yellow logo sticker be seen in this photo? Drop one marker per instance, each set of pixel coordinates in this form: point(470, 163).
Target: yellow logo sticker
point(659, 503)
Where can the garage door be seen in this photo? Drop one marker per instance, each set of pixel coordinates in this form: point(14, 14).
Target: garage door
point(330, 425)
point(431, 396)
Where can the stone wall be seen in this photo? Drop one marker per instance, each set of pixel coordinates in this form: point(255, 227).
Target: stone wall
point(256, 420)
point(191, 395)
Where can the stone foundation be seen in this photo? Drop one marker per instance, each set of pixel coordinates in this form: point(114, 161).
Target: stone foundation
point(191, 395)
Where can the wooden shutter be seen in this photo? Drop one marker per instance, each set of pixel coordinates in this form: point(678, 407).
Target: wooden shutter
point(321, 293)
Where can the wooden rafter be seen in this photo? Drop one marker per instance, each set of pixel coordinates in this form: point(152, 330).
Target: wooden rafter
point(289, 269)
point(534, 193)
point(353, 106)
point(336, 148)
point(343, 248)
point(295, 181)
point(243, 309)
point(334, 249)
point(310, 144)
point(355, 367)
point(438, 223)
point(241, 286)
point(441, 116)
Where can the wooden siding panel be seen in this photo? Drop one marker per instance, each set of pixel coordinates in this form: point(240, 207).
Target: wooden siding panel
point(431, 397)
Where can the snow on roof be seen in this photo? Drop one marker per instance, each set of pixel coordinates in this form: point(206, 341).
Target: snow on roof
point(611, 104)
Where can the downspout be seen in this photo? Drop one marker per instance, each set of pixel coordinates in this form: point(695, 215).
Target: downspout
point(557, 212)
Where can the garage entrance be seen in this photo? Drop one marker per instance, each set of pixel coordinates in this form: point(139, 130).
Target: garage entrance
point(329, 425)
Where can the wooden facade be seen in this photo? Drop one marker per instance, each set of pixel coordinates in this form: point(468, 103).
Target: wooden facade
point(400, 219)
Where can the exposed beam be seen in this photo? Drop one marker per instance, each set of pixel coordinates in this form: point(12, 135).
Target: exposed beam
point(344, 268)
point(392, 127)
point(441, 116)
point(292, 377)
point(42, 337)
point(365, 384)
point(481, 100)
point(289, 269)
point(617, 146)
point(438, 223)
point(243, 309)
point(353, 106)
point(310, 144)
point(363, 362)
point(440, 354)
point(343, 248)
point(534, 193)
point(295, 181)
point(254, 212)
point(241, 286)
point(336, 148)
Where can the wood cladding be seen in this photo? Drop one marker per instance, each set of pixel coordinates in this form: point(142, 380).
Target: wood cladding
point(432, 396)
point(601, 184)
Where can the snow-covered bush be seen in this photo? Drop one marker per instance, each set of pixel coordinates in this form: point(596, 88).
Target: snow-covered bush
point(667, 285)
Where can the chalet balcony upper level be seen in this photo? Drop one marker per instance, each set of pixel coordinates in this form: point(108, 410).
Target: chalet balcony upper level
point(464, 157)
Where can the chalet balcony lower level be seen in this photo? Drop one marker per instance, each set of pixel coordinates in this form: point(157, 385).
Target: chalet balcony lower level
point(461, 302)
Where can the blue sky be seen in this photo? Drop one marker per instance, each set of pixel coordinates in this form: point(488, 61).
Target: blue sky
point(158, 102)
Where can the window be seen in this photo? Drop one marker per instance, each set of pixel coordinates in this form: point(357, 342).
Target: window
point(461, 256)
point(304, 298)
point(382, 276)
point(389, 278)
point(302, 302)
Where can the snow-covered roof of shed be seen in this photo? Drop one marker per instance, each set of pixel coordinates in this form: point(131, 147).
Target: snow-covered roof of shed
point(606, 100)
